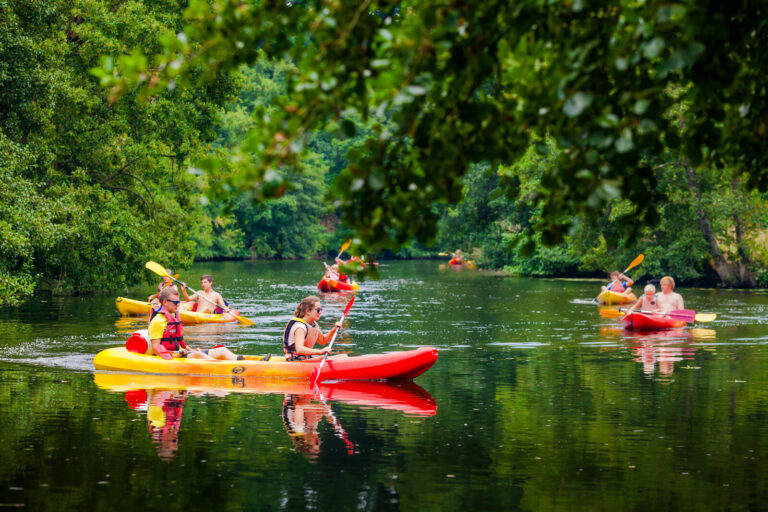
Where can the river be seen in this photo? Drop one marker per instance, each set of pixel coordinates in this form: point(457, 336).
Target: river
point(535, 403)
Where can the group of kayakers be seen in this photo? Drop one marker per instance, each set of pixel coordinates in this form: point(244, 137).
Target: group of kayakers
point(166, 331)
point(650, 301)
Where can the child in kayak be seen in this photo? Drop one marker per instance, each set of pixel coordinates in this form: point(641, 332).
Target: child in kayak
point(647, 302)
point(619, 283)
point(668, 300)
point(166, 332)
point(302, 331)
point(167, 283)
point(214, 297)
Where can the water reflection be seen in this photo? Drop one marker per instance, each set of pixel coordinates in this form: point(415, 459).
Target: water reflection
point(162, 398)
point(661, 348)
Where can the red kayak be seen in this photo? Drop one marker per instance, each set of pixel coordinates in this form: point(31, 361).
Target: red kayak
point(333, 285)
point(455, 261)
point(648, 322)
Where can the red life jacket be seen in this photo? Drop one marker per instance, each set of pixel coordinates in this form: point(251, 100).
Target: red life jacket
point(173, 335)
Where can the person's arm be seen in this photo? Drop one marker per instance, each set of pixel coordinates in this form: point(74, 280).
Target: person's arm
point(339, 261)
point(629, 281)
point(220, 302)
point(299, 335)
point(682, 303)
point(151, 297)
point(184, 291)
point(326, 338)
point(637, 305)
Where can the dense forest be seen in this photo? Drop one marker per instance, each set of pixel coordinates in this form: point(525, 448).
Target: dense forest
point(120, 142)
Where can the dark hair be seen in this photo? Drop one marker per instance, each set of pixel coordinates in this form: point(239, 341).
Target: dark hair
point(305, 305)
point(166, 293)
point(207, 277)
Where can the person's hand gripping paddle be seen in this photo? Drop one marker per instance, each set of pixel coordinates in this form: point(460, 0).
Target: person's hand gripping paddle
point(313, 379)
point(159, 270)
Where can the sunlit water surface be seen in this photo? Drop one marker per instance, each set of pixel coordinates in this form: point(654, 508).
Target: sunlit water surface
point(535, 403)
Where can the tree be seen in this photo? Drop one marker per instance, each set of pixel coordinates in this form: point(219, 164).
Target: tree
point(93, 188)
point(467, 82)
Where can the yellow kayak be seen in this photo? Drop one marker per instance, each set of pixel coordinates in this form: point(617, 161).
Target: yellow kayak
point(608, 297)
point(130, 307)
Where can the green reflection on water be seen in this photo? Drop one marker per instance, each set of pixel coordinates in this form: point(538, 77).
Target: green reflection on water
point(537, 403)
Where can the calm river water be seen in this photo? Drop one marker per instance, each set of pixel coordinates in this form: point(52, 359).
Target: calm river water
point(535, 403)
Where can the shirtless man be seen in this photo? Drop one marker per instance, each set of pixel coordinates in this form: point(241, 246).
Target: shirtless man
point(203, 306)
point(668, 300)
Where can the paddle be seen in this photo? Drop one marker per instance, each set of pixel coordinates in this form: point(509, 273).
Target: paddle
point(316, 372)
point(688, 315)
point(635, 262)
point(344, 247)
point(159, 270)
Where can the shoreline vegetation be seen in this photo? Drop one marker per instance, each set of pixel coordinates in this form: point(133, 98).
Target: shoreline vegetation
point(109, 162)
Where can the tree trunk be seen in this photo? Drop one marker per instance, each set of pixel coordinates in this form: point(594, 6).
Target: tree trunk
point(720, 265)
point(746, 275)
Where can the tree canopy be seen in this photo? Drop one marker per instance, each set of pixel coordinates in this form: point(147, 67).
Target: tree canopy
point(465, 82)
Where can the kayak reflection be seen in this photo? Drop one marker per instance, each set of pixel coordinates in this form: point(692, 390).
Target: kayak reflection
point(304, 406)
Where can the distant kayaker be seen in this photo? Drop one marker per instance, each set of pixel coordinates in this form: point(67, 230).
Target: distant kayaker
point(302, 331)
point(647, 301)
point(668, 300)
point(619, 283)
point(167, 283)
point(167, 333)
point(457, 257)
point(214, 297)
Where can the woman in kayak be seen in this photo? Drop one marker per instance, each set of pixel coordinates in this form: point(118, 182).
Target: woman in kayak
point(647, 302)
point(302, 331)
point(167, 283)
point(619, 283)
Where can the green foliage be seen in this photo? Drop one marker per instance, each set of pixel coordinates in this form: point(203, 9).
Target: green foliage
point(468, 83)
point(92, 188)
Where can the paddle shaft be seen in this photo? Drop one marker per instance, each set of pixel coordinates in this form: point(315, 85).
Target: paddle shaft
point(316, 374)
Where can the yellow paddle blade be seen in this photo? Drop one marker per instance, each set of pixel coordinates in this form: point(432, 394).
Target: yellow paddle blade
point(636, 262)
point(705, 317)
point(157, 268)
point(345, 246)
point(611, 313)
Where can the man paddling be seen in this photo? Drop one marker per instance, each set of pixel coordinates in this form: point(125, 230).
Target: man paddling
point(214, 297)
point(668, 300)
point(167, 333)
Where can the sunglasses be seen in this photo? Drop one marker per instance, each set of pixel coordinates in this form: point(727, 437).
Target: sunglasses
point(177, 302)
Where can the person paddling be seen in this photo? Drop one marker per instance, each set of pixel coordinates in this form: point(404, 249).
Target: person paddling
point(647, 302)
point(619, 283)
point(167, 283)
point(668, 300)
point(302, 332)
point(166, 332)
point(214, 297)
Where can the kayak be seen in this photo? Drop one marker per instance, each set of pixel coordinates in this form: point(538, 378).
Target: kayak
point(455, 261)
point(406, 397)
point(130, 307)
point(405, 365)
point(608, 297)
point(648, 322)
point(333, 285)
